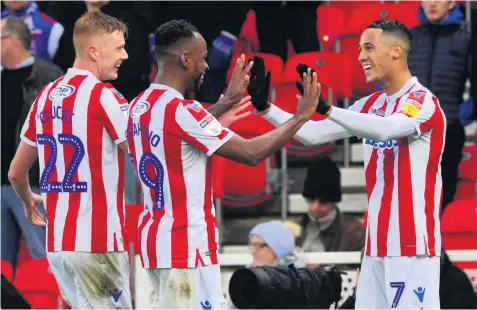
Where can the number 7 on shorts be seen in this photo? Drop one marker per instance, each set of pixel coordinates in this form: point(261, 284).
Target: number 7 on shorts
point(400, 288)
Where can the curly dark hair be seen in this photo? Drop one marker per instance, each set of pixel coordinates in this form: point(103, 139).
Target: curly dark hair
point(172, 34)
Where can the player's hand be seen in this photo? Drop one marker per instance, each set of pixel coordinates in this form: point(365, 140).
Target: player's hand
point(311, 95)
point(233, 115)
point(239, 81)
point(259, 85)
point(32, 213)
point(322, 107)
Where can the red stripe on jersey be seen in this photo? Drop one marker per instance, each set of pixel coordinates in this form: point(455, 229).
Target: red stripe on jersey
point(407, 228)
point(74, 200)
point(120, 193)
point(99, 203)
point(152, 174)
point(437, 122)
point(371, 100)
point(142, 224)
point(209, 217)
point(175, 173)
point(30, 133)
point(371, 168)
point(223, 134)
point(51, 197)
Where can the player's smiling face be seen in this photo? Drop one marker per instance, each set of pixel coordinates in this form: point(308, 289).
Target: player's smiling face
point(110, 55)
point(374, 55)
point(198, 62)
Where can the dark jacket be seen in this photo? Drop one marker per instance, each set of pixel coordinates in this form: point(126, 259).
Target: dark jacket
point(42, 73)
point(440, 59)
point(344, 234)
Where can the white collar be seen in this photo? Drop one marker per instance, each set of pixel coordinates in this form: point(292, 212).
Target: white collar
point(402, 91)
point(165, 87)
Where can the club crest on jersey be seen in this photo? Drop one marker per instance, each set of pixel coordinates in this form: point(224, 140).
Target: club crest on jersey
point(418, 94)
point(140, 108)
point(114, 90)
point(61, 91)
point(194, 107)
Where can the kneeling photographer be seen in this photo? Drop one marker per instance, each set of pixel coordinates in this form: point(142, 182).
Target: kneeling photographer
point(277, 279)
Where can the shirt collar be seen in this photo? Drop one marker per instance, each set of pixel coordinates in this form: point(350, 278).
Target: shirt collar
point(76, 71)
point(402, 91)
point(28, 62)
point(165, 87)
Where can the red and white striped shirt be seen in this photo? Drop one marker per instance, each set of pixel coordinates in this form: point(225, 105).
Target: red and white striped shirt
point(403, 176)
point(76, 122)
point(403, 143)
point(170, 140)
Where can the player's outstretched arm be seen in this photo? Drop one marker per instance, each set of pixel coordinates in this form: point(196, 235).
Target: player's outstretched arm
point(255, 150)
point(235, 90)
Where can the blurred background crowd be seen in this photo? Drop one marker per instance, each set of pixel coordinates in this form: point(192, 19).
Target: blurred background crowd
point(304, 199)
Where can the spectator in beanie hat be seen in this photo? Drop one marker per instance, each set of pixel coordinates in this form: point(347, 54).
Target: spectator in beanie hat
point(324, 228)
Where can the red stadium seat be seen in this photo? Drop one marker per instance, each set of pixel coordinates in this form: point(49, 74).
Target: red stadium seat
point(7, 270)
point(364, 15)
point(38, 285)
point(273, 63)
point(349, 6)
point(468, 164)
point(330, 25)
point(248, 34)
point(459, 225)
point(466, 189)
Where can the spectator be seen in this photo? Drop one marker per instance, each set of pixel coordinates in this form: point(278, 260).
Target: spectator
point(22, 78)
point(325, 228)
point(45, 31)
point(440, 59)
point(278, 21)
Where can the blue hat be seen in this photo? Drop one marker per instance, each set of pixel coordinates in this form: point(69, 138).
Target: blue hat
point(278, 238)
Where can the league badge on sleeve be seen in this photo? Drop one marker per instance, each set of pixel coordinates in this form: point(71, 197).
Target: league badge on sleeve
point(413, 103)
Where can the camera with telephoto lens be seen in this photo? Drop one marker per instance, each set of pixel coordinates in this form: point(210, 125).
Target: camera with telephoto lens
point(285, 287)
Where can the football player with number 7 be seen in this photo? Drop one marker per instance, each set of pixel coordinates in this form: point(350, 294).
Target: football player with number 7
point(77, 127)
point(170, 141)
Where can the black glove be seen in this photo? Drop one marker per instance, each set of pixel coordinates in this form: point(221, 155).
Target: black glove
point(259, 85)
point(322, 107)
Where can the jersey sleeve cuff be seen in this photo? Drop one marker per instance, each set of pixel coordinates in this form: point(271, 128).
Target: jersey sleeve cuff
point(222, 142)
point(120, 140)
point(28, 141)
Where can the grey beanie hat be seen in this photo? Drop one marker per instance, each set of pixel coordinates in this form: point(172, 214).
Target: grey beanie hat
point(278, 238)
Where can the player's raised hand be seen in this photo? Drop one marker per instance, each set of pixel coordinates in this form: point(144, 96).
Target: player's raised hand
point(239, 81)
point(32, 213)
point(322, 107)
point(311, 95)
point(259, 85)
point(235, 114)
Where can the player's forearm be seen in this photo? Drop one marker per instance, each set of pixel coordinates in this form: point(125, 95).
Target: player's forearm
point(262, 147)
point(373, 127)
point(312, 132)
point(220, 107)
point(20, 184)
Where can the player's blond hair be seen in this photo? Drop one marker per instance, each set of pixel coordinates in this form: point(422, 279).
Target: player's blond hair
point(95, 23)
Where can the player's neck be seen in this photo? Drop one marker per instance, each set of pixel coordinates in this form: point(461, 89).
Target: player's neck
point(87, 66)
point(168, 78)
point(396, 82)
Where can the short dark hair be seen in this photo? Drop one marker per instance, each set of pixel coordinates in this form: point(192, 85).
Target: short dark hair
point(173, 33)
point(393, 27)
point(16, 26)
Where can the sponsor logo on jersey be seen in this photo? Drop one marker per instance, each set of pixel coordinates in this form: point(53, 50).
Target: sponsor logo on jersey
point(420, 293)
point(61, 91)
point(381, 144)
point(140, 108)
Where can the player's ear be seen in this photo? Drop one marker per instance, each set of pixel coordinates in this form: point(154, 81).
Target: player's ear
point(397, 51)
point(185, 60)
point(93, 52)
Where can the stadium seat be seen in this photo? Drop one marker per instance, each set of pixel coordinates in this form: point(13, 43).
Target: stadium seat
point(362, 16)
point(335, 78)
point(7, 270)
point(38, 285)
point(248, 38)
point(330, 25)
point(273, 63)
point(468, 164)
point(459, 225)
point(466, 189)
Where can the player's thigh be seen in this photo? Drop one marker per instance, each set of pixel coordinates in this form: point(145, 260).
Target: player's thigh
point(173, 287)
point(413, 282)
point(370, 292)
point(208, 288)
point(64, 276)
point(102, 280)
